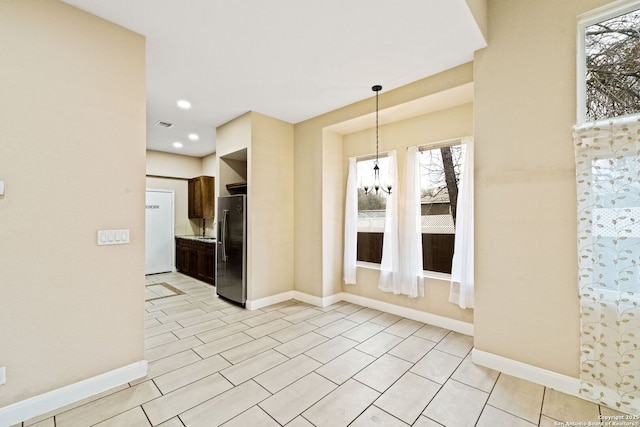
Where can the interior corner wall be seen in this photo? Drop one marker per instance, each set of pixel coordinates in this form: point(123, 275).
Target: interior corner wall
point(233, 136)
point(526, 256)
point(270, 208)
point(310, 266)
point(479, 10)
point(210, 165)
point(333, 204)
point(255, 145)
point(69, 309)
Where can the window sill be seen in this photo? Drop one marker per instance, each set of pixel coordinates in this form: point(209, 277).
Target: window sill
point(436, 275)
point(426, 274)
point(369, 265)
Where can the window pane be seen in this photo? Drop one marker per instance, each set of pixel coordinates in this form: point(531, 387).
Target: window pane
point(612, 67)
point(371, 210)
point(615, 227)
point(439, 177)
point(371, 206)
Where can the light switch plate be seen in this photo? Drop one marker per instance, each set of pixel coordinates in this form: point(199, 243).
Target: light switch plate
point(113, 237)
point(3, 375)
point(1, 188)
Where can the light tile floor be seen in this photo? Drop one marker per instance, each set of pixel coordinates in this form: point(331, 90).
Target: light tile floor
point(212, 363)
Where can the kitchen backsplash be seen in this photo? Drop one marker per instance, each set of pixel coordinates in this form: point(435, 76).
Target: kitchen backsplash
point(194, 227)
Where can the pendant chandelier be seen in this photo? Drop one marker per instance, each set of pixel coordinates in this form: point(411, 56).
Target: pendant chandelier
point(376, 169)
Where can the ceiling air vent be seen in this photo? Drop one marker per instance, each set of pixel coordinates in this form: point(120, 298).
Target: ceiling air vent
point(164, 124)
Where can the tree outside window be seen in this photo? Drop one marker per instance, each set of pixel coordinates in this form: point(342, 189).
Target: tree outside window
point(439, 179)
point(612, 60)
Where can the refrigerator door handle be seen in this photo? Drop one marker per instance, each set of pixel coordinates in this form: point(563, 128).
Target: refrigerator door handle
point(225, 214)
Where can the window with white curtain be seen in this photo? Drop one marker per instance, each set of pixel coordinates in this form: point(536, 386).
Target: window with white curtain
point(371, 210)
point(607, 147)
point(436, 198)
point(439, 180)
point(608, 67)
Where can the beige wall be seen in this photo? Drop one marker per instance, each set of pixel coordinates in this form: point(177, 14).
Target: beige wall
point(270, 207)
point(173, 165)
point(307, 202)
point(437, 126)
point(526, 261)
point(333, 201)
point(210, 164)
point(69, 309)
point(234, 135)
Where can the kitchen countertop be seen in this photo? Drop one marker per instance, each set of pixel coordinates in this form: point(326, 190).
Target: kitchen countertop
point(206, 239)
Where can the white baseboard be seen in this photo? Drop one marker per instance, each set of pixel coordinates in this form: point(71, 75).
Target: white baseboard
point(270, 300)
point(554, 380)
point(297, 295)
point(409, 313)
point(52, 400)
point(318, 301)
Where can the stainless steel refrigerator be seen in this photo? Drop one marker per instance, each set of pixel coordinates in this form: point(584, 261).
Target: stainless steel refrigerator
point(231, 253)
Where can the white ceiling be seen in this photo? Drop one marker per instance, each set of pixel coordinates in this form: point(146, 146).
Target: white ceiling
point(288, 59)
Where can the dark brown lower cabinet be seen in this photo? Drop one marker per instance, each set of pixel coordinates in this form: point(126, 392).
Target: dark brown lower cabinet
point(196, 259)
point(210, 262)
point(182, 255)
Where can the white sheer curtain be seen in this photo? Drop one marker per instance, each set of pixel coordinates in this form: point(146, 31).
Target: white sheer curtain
point(351, 225)
point(461, 291)
point(411, 281)
point(390, 255)
point(608, 186)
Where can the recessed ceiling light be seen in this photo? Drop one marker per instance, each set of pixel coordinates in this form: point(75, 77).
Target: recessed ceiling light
point(194, 136)
point(177, 144)
point(185, 105)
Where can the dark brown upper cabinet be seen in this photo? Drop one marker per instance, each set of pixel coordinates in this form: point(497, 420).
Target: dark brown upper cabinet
point(202, 197)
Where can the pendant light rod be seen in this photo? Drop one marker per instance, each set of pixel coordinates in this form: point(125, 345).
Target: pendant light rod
point(376, 89)
point(376, 168)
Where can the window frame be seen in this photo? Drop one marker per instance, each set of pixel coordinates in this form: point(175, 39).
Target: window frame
point(585, 20)
point(433, 275)
point(382, 156)
point(435, 146)
point(425, 273)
